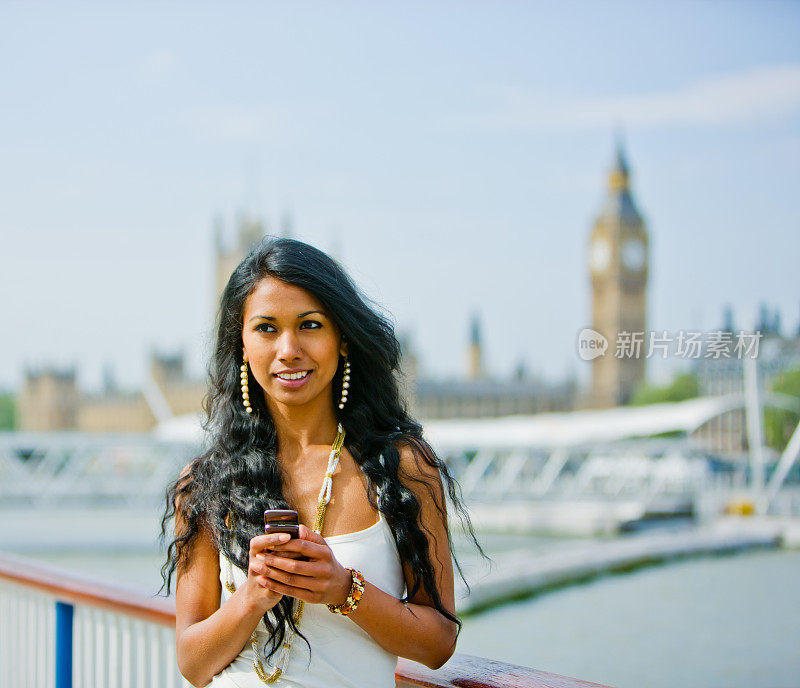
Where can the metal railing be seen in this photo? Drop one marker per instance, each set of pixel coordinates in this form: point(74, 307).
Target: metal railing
point(58, 469)
point(58, 630)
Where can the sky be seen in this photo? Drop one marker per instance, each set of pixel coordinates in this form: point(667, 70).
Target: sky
point(453, 155)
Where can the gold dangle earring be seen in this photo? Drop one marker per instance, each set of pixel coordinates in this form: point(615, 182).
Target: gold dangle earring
point(345, 382)
point(245, 387)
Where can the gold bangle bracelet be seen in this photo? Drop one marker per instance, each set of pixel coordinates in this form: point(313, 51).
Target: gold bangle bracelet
point(353, 598)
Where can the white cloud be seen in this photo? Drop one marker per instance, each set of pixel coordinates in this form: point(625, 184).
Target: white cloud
point(234, 124)
point(754, 95)
point(160, 62)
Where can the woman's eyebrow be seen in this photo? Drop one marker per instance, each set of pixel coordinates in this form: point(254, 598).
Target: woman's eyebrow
point(270, 317)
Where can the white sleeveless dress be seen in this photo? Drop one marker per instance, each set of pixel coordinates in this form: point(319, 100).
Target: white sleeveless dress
point(343, 655)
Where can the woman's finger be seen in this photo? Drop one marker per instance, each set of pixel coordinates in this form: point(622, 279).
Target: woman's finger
point(292, 591)
point(309, 543)
point(311, 536)
point(313, 569)
point(260, 543)
point(295, 580)
point(303, 547)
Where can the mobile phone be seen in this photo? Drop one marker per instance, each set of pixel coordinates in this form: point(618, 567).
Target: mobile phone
point(282, 521)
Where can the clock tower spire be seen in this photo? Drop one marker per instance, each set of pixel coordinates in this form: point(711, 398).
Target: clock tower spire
point(618, 260)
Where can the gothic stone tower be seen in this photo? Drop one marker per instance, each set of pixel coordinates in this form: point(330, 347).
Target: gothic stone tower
point(618, 259)
point(474, 353)
point(249, 233)
point(48, 400)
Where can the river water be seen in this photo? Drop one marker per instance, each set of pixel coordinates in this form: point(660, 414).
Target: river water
point(723, 621)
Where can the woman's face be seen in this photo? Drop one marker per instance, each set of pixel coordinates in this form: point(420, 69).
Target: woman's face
point(286, 329)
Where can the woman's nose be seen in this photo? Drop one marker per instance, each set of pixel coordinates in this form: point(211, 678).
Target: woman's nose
point(288, 346)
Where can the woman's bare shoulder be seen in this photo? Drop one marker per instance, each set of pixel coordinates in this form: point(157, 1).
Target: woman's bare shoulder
point(418, 461)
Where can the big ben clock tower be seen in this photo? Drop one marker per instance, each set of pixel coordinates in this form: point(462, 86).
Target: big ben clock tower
point(618, 258)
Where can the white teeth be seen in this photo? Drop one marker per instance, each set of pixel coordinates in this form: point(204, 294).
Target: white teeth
point(292, 376)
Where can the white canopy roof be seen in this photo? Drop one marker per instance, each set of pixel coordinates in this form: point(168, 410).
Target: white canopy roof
point(547, 429)
point(589, 426)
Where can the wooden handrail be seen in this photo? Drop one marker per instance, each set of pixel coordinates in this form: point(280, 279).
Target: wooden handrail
point(69, 587)
point(468, 671)
point(461, 671)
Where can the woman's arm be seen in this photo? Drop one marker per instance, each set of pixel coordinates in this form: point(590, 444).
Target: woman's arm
point(416, 630)
point(209, 636)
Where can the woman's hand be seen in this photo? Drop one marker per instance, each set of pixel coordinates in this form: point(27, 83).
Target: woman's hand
point(256, 586)
point(320, 578)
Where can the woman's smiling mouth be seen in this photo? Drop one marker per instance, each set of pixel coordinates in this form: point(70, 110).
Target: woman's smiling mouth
point(293, 380)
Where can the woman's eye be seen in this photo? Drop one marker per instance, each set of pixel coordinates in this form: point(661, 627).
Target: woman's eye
point(313, 323)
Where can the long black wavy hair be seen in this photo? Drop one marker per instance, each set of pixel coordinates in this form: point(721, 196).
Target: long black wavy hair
point(239, 473)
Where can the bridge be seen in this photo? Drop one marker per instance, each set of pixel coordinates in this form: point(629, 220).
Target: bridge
point(607, 458)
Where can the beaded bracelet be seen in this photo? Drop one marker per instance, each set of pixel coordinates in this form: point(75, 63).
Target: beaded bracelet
point(356, 591)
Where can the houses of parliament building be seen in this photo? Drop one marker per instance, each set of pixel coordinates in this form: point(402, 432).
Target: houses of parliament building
point(617, 266)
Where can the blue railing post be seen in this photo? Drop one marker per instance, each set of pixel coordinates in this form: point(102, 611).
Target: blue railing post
point(64, 614)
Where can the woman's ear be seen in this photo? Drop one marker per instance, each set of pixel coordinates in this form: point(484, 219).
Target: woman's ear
point(343, 347)
point(244, 355)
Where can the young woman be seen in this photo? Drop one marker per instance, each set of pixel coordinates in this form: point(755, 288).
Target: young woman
point(304, 413)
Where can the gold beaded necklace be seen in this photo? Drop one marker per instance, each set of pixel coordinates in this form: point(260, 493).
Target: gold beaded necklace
point(322, 503)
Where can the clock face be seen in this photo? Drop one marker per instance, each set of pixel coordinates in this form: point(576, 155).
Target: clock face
point(633, 255)
point(600, 257)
